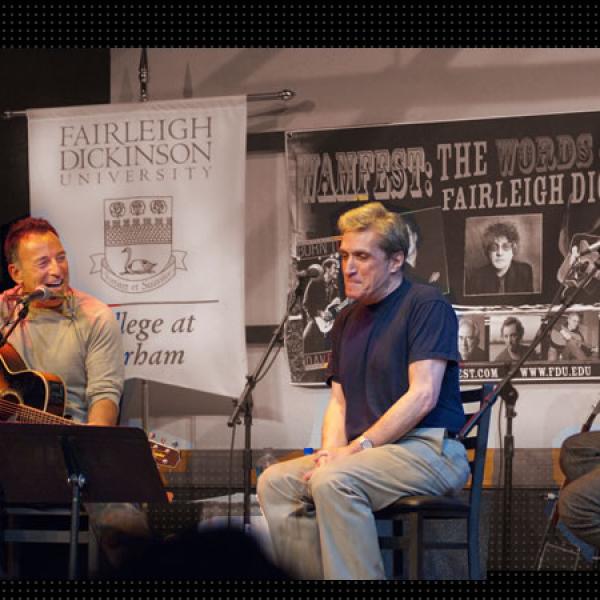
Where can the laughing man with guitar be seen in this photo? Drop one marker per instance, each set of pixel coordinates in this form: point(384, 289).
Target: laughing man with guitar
point(72, 335)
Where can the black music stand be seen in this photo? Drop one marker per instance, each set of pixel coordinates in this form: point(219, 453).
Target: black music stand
point(62, 464)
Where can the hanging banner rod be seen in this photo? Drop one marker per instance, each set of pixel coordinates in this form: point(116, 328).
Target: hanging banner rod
point(283, 95)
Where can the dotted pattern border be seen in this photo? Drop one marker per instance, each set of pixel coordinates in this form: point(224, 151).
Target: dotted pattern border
point(263, 25)
point(535, 585)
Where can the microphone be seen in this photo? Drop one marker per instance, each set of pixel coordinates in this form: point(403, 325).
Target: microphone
point(41, 292)
point(311, 272)
point(585, 248)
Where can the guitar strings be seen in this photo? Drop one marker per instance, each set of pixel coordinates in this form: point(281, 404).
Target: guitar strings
point(28, 414)
point(162, 454)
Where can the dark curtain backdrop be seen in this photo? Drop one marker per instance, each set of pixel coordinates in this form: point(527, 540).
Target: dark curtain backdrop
point(40, 78)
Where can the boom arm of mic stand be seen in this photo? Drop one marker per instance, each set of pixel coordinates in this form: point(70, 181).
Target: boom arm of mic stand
point(22, 314)
point(245, 402)
point(251, 380)
point(506, 391)
point(542, 332)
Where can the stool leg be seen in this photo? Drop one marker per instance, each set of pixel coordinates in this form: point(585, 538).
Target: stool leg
point(415, 547)
point(473, 551)
point(93, 554)
point(548, 530)
point(13, 568)
point(398, 555)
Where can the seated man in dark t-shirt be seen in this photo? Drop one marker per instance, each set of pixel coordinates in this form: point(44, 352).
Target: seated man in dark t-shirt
point(394, 399)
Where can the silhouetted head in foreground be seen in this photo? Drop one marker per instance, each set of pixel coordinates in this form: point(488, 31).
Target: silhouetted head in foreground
point(218, 553)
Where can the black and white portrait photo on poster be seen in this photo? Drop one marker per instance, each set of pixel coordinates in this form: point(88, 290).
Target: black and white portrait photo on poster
point(581, 258)
point(568, 352)
point(320, 303)
point(511, 335)
point(503, 255)
point(574, 337)
point(426, 261)
point(472, 338)
point(319, 298)
point(579, 245)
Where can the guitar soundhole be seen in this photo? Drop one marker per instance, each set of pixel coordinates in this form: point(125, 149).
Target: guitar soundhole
point(7, 412)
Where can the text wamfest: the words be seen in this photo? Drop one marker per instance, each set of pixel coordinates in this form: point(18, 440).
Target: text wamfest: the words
point(530, 171)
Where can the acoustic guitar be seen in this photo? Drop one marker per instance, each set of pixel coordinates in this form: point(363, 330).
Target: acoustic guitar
point(29, 396)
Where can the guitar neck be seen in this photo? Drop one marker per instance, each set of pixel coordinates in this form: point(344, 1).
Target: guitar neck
point(164, 456)
point(28, 414)
point(48, 391)
point(590, 420)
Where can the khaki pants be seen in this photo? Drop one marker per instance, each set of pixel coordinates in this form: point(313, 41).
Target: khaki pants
point(324, 528)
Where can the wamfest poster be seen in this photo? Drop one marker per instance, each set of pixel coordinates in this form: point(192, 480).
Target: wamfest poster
point(539, 175)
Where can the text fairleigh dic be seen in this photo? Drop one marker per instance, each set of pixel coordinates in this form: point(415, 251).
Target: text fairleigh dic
point(463, 175)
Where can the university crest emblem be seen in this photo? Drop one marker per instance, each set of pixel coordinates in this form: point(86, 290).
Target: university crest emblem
point(138, 252)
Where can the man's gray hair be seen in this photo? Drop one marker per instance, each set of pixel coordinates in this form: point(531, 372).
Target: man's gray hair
point(390, 227)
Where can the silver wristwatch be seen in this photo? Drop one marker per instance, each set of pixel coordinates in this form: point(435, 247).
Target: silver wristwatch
point(364, 442)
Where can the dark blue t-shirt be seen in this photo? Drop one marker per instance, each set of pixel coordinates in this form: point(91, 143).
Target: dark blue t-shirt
point(372, 346)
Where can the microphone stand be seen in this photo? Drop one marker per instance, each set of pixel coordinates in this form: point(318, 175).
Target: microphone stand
point(245, 403)
point(23, 311)
point(505, 390)
point(40, 293)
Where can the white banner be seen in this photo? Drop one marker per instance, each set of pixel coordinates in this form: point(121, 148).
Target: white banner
point(149, 202)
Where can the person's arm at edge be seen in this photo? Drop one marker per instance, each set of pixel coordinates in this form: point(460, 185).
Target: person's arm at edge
point(333, 432)
point(103, 412)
